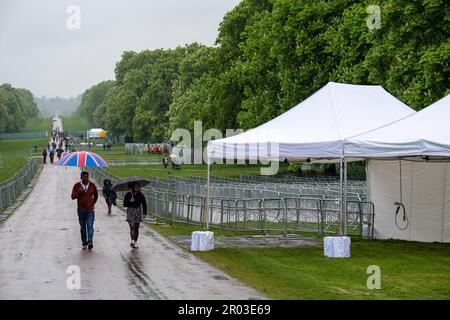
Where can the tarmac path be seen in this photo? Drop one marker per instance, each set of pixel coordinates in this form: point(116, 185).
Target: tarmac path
point(40, 242)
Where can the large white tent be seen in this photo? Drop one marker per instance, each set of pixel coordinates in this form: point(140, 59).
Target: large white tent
point(418, 180)
point(316, 128)
point(425, 133)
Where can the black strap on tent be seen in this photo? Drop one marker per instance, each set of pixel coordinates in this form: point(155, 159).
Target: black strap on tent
point(400, 204)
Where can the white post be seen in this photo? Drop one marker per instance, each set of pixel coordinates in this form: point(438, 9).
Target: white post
point(206, 214)
point(345, 198)
point(341, 213)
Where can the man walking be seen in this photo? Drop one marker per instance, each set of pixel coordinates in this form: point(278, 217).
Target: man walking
point(86, 194)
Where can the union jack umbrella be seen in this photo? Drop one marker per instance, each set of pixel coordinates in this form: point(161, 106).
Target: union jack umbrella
point(83, 159)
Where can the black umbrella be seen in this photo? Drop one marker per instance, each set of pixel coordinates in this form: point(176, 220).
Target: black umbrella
point(124, 184)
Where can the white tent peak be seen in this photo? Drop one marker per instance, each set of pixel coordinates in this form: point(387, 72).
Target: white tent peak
point(426, 132)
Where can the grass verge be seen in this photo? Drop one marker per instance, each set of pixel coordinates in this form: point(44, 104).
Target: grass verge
point(38, 125)
point(14, 154)
point(224, 170)
point(75, 124)
point(409, 270)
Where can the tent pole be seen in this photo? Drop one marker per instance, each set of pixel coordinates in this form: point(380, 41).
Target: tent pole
point(341, 213)
point(345, 198)
point(206, 215)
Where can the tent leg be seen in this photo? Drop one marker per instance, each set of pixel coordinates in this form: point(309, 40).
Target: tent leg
point(344, 229)
point(341, 211)
point(206, 215)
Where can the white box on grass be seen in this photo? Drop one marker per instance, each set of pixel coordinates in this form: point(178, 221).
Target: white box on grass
point(202, 241)
point(336, 247)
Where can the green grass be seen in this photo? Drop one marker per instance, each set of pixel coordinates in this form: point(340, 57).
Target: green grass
point(409, 270)
point(75, 124)
point(117, 152)
point(38, 125)
point(14, 154)
point(231, 171)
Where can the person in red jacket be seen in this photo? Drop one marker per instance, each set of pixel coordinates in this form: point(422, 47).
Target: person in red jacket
point(86, 194)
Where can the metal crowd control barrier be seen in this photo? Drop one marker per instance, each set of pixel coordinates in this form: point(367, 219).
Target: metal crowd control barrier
point(305, 213)
point(11, 189)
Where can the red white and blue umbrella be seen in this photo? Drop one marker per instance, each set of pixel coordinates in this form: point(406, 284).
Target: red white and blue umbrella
point(83, 159)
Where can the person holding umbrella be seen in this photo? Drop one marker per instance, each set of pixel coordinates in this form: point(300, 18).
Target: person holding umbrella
point(136, 206)
point(59, 152)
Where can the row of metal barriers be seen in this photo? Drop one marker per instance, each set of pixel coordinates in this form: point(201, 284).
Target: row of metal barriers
point(11, 189)
point(283, 214)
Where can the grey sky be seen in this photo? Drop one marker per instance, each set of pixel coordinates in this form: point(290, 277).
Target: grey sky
point(39, 52)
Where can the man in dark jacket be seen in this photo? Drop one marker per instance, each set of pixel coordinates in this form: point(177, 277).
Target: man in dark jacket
point(86, 194)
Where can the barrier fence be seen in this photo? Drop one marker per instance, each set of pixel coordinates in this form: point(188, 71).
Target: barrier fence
point(23, 135)
point(284, 214)
point(11, 189)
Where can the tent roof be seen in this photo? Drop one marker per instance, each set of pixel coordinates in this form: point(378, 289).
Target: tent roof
point(425, 133)
point(317, 127)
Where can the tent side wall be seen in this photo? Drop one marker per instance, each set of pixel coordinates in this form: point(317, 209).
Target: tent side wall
point(425, 195)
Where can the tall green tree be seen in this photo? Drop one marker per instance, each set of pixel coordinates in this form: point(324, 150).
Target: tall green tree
point(92, 98)
point(270, 55)
point(16, 106)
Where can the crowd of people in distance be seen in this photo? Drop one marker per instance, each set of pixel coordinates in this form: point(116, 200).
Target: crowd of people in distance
point(58, 145)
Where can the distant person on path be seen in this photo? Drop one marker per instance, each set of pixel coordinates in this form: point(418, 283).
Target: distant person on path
point(51, 155)
point(109, 194)
point(44, 155)
point(59, 152)
point(134, 200)
point(165, 161)
point(175, 163)
point(86, 194)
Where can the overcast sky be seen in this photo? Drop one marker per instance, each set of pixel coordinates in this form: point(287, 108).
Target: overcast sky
point(39, 52)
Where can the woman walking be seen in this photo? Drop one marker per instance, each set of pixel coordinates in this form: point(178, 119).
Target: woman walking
point(137, 207)
point(109, 194)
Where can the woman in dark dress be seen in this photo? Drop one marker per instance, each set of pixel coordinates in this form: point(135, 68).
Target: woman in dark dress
point(136, 206)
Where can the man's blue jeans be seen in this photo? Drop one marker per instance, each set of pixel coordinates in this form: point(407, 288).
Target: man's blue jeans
point(86, 220)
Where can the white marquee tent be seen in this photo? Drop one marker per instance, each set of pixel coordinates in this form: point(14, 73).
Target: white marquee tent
point(316, 128)
point(419, 177)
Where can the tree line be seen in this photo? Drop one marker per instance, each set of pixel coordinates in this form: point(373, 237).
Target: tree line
point(16, 106)
point(269, 56)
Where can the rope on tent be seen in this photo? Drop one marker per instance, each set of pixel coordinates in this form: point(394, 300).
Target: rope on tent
point(400, 204)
